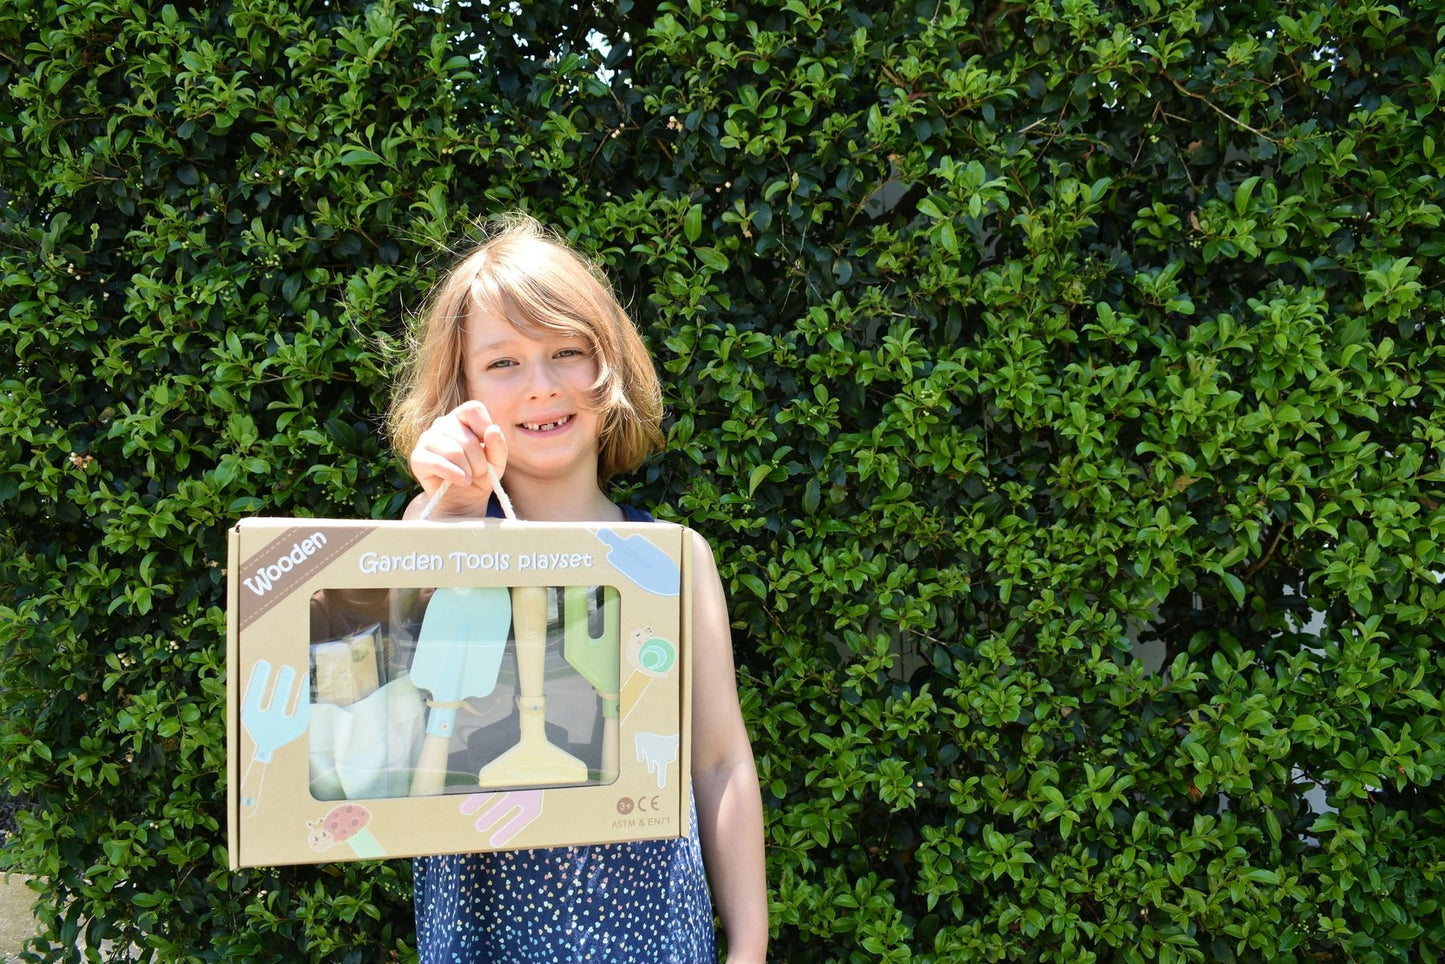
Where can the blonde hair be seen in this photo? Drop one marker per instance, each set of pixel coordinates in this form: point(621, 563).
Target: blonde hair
point(529, 276)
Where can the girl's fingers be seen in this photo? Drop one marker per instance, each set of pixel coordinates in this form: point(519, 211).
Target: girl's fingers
point(460, 449)
point(472, 416)
point(475, 457)
point(441, 456)
point(494, 445)
point(488, 456)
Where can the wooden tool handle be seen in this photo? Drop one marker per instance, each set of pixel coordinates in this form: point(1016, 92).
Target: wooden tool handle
point(431, 767)
point(608, 771)
point(529, 628)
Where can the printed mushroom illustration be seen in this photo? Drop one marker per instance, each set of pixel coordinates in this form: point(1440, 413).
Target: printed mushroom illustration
point(344, 823)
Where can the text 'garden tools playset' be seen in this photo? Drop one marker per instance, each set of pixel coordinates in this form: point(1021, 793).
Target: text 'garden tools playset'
point(405, 688)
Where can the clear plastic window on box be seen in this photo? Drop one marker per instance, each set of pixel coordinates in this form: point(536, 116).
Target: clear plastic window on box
point(419, 692)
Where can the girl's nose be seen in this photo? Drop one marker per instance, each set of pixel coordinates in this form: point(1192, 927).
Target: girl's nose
point(543, 383)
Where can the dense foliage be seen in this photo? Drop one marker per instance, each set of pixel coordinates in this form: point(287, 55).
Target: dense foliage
point(1059, 381)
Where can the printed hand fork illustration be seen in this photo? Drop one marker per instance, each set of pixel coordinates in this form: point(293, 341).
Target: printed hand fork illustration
point(271, 723)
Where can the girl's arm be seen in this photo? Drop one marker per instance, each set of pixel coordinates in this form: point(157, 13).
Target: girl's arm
point(724, 774)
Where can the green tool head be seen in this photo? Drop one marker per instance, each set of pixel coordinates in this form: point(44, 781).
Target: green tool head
point(595, 657)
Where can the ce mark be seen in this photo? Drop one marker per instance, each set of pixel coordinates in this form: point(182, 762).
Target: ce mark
point(626, 805)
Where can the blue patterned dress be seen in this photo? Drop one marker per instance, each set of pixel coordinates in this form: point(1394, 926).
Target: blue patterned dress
point(645, 901)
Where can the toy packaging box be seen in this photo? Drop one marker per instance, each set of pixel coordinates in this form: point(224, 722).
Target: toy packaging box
point(405, 688)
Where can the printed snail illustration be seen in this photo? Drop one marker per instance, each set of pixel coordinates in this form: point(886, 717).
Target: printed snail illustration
point(651, 654)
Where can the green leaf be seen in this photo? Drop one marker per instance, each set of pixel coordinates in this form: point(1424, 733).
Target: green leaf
point(712, 258)
point(812, 496)
point(1235, 587)
point(929, 208)
point(357, 156)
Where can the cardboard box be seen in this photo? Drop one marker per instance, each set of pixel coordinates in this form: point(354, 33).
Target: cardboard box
point(406, 688)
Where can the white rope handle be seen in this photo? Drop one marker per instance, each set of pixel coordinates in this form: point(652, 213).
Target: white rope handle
point(441, 491)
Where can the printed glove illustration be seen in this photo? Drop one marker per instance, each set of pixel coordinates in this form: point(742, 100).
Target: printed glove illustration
point(503, 813)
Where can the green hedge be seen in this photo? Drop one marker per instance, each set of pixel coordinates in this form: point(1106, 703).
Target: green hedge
point(1060, 383)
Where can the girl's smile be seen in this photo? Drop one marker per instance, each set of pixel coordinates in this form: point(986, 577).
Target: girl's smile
point(547, 426)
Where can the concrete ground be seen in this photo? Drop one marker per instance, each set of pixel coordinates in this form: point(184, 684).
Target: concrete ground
point(16, 924)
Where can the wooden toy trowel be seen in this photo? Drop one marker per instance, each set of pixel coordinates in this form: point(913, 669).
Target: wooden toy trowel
point(534, 761)
point(458, 653)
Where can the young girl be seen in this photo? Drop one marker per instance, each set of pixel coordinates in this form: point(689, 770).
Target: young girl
point(527, 370)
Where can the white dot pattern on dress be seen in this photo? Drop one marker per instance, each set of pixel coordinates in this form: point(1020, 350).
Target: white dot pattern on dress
point(645, 902)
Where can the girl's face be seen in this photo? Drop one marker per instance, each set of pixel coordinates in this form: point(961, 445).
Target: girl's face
point(536, 389)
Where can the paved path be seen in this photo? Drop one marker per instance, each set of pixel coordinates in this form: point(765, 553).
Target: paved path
point(16, 924)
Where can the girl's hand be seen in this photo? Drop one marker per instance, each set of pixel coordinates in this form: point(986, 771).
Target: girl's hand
point(458, 448)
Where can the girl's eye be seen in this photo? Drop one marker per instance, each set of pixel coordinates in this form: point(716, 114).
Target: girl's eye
point(500, 363)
